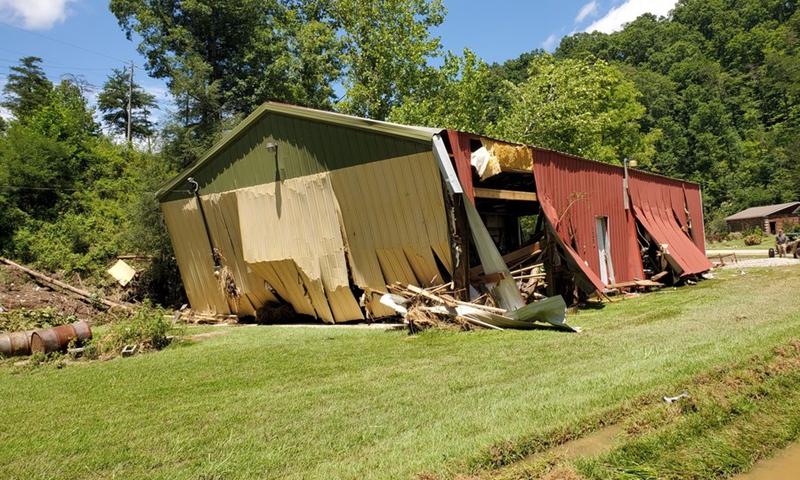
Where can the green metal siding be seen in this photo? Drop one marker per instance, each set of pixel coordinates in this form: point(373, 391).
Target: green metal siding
point(305, 146)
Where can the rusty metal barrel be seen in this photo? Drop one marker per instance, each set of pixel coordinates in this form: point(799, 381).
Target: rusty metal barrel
point(57, 339)
point(15, 343)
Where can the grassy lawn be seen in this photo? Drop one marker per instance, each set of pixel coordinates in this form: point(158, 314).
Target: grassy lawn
point(767, 242)
point(296, 403)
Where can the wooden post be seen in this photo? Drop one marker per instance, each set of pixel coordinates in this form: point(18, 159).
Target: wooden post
point(459, 245)
point(549, 263)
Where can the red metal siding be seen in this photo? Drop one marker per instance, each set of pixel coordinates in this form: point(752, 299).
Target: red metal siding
point(660, 204)
point(694, 200)
point(462, 156)
point(579, 191)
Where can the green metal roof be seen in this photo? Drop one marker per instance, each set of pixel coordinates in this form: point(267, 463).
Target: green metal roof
point(279, 141)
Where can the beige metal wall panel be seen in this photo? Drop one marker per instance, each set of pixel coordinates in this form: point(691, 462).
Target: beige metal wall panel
point(193, 254)
point(285, 279)
point(308, 296)
point(394, 222)
point(295, 219)
point(222, 214)
point(344, 305)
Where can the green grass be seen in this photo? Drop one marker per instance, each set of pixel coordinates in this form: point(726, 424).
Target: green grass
point(348, 403)
point(767, 242)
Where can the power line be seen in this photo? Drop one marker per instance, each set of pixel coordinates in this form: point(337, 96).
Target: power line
point(64, 43)
point(56, 66)
point(55, 189)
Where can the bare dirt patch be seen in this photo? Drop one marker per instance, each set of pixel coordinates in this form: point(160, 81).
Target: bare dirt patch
point(17, 291)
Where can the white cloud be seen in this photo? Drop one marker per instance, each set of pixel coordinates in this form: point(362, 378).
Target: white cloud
point(629, 11)
point(550, 42)
point(34, 14)
point(588, 10)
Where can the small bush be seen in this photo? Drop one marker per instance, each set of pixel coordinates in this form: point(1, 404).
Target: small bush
point(735, 236)
point(752, 240)
point(146, 327)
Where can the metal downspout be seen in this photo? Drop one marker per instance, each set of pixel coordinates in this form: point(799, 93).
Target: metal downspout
point(195, 191)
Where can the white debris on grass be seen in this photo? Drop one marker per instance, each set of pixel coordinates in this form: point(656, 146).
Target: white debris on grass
point(763, 262)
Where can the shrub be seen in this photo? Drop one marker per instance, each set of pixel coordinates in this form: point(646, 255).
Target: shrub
point(32, 319)
point(146, 327)
point(752, 240)
point(735, 236)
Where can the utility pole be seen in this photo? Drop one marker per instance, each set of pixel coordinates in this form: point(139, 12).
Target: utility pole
point(130, 105)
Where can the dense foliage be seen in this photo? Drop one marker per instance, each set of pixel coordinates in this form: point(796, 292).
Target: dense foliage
point(709, 94)
point(71, 199)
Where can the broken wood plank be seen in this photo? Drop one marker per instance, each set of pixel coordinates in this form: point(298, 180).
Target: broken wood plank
point(499, 194)
point(452, 303)
point(526, 269)
point(659, 276)
point(82, 293)
point(515, 257)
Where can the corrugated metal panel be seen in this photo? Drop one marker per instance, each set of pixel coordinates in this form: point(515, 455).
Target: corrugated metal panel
point(660, 204)
point(193, 254)
point(460, 145)
point(291, 235)
point(694, 200)
point(304, 138)
point(579, 191)
point(223, 222)
point(394, 222)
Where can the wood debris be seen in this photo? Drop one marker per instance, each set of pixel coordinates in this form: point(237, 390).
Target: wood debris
point(422, 308)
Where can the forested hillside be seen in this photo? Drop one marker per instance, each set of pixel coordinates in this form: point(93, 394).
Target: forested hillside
point(709, 94)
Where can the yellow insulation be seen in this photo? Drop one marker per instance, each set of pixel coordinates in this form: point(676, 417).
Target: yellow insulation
point(512, 157)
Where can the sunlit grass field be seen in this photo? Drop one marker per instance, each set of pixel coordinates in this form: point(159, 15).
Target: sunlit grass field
point(325, 403)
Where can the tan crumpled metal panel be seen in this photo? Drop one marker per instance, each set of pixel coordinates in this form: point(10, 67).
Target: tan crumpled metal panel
point(394, 222)
point(291, 236)
point(193, 254)
point(222, 215)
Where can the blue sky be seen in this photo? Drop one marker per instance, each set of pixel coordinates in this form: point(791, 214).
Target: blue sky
point(81, 37)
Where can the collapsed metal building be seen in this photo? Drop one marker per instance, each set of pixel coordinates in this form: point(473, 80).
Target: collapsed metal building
point(319, 209)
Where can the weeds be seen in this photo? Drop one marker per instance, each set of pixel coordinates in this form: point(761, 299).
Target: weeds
point(33, 319)
point(147, 327)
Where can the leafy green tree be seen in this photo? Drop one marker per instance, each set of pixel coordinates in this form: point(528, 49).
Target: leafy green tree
point(27, 88)
point(228, 57)
point(43, 158)
point(587, 109)
point(387, 49)
point(457, 99)
point(113, 102)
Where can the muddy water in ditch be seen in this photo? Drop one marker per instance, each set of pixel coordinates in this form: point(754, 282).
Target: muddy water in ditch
point(592, 445)
point(783, 466)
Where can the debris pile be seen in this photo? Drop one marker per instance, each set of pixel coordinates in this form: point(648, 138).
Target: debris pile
point(437, 307)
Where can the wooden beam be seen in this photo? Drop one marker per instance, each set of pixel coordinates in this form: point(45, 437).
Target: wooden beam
point(504, 194)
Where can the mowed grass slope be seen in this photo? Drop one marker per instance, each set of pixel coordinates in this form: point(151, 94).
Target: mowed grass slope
point(347, 403)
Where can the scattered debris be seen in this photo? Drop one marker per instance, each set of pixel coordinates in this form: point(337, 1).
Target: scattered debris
point(675, 399)
point(122, 272)
point(129, 350)
point(426, 308)
point(87, 296)
point(228, 284)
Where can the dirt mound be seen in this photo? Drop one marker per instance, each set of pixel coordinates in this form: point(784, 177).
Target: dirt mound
point(17, 290)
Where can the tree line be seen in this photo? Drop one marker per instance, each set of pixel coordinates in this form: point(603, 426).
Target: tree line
point(708, 94)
